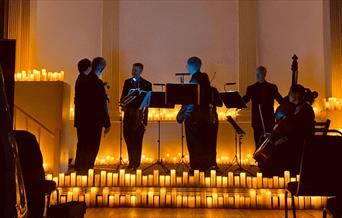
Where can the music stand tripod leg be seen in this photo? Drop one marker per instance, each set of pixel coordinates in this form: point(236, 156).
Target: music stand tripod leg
point(121, 162)
point(182, 164)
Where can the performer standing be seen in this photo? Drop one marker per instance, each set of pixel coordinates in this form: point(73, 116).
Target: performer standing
point(93, 117)
point(197, 118)
point(262, 93)
point(135, 120)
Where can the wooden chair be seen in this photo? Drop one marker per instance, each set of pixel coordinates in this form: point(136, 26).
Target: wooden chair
point(319, 171)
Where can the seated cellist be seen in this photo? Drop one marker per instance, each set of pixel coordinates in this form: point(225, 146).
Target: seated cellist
point(290, 134)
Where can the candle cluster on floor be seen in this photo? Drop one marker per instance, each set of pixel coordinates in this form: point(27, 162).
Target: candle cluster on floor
point(122, 189)
point(39, 75)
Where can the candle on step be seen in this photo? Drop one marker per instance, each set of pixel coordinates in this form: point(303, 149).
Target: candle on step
point(121, 177)
point(144, 181)
point(73, 179)
point(103, 178)
point(155, 177)
point(90, 177)
point(67, 180)
point(167, 180)
point(109, 179)
point(173, 177)
point(111, 201)
point(138, 177)
point(79, 180)
point(84, 181)
point(236, 181)
point(243, 179)
point(212, 178)
point(287, 177)
point(150, 180)
point(97, 180)
point(61, 179)
point(259, 180)
point(133, 180)
point(162, 180)
point(115, 179)
point(196, 177)
point(185, 178)
point(127, 179)
point(230, 179)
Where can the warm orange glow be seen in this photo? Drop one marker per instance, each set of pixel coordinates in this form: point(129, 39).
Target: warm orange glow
point(37, 75)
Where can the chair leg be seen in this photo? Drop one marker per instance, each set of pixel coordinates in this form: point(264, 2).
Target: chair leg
point(324, 213)
point(293, 207)
point(286, 212)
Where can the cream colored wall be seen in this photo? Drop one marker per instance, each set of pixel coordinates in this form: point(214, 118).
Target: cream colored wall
point(289, 27)
point(63, 32)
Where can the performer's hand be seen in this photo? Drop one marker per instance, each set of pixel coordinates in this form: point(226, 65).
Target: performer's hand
point(106, 130)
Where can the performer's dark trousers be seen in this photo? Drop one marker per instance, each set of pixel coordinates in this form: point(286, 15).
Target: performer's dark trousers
point(197, 134)
point(257, 131)
point(212, 144)
point(133, 131)
point(88, 144)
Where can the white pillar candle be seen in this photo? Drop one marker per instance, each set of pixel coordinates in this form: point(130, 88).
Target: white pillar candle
point(202, 179)
point(111, 201)
point(275, 202)
point(84, 181)
point(168, 200)
point(236, 181)
point(275, 181)
point(150, 180)
point(254, 182)
point(179, 201)
point(225, 182)
point(133, 180)
point(115, 179)
point(138, 177)
point(287, 177)
point(259, 180)
point(87, 199)
point(67, 180)
point(73, 179)
point(97, 180)
point(252, 194)
point(91, 177)
point(214, 195)
point(219, 181)
point(48, 176)
point(144, 181)
point(78, 180)
point(220, 201)
point(155, 177)
point(249, 182)
point(196, 177)
point(127, 179)
point(162, 197)
point(281, 200)
point(173, 177)
point(207, 182)
point(93, 191)
point(150, 198)
point(69, 196)
point(121, 177)
point(281, 182)
point(185, 178)
point(184, 201)
point(133, 201)
point(212, 178)
point(109, 179)
point(61, 180)
point(156, 201)
point(105, 193)
point(162, 180)
point(167, 181)
point(230, 179)
point(243, 180)
point(237, 201)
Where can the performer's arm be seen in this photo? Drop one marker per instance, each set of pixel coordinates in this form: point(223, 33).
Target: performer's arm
point(124, 90)
point(247, 96)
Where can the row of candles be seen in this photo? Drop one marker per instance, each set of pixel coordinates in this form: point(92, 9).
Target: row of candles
point(198, 179)
point(171, 114)
point(109, 160)
point(164, 197)
point(39, 75)
point(108, 189)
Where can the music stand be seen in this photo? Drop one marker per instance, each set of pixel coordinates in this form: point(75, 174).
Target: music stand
point(232, 99)
point(175, 95)
point(158, 101)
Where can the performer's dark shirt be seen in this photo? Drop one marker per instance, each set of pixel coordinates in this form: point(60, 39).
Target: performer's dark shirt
point(201, 111)
point(142, 84)
point(263, 94)
point(91, 102)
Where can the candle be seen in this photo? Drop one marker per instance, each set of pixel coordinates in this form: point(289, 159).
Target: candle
point(75, 193)
point(281, 182)
point(81, 198)
point(207, 181)
point(220, 202)
point(198, 201)
point(264, 182)
point(87, 199)
point(122, 200)
point(243, 179)
point(219, 181)
point(105, 193)
point(242, 201)
point(115, 179)
point(174, 198)
point(179, 201)
point(133, 201)
point(67, 180)
point(90, 177)
point(268, 200)
point(249, 182)
point(230, 179)
point(150, 198)
point(116, 200)
point(225, 182)
point(270, 182)
point(97, 180)
point(184, 201)
point(93, 195)
point(225, 200)
point(252, 194)
point(109, 179)
point(150, 180)
point(236, 181)
point(79, 180)
point(214, 196)
point(259, 180)
point(121, 177)
point(275, 202)
point(301, 202)
point(212, 178)
point(133, 180)
point(73, 179)
point(84, 181)
point(191, 203)
point(202, 179)
point(275, 181)
point(281, 200)
point(167, 180)
point(127, 179)
point(162, 197)
point(287, 177)
point(162, 180)
point(48, 176)
point(185, 178)
point(138, 173)
point(173, 177)
point(179, 181)
point(254, 182)
point(111, 201)
point(55, 179)
point(196, 177)
point(236, 200)
point(156, 201)
point(69, 196)
point(61, 180)
point(144, 180)
point(155, 177)
point(168, 200)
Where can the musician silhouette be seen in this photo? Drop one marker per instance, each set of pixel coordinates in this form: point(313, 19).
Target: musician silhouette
point(289, 136)
point(197, 120)
point(91, 113)
point(134, 120)
point(262, 93)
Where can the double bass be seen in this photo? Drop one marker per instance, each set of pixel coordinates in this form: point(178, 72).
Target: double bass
point(263, 153)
